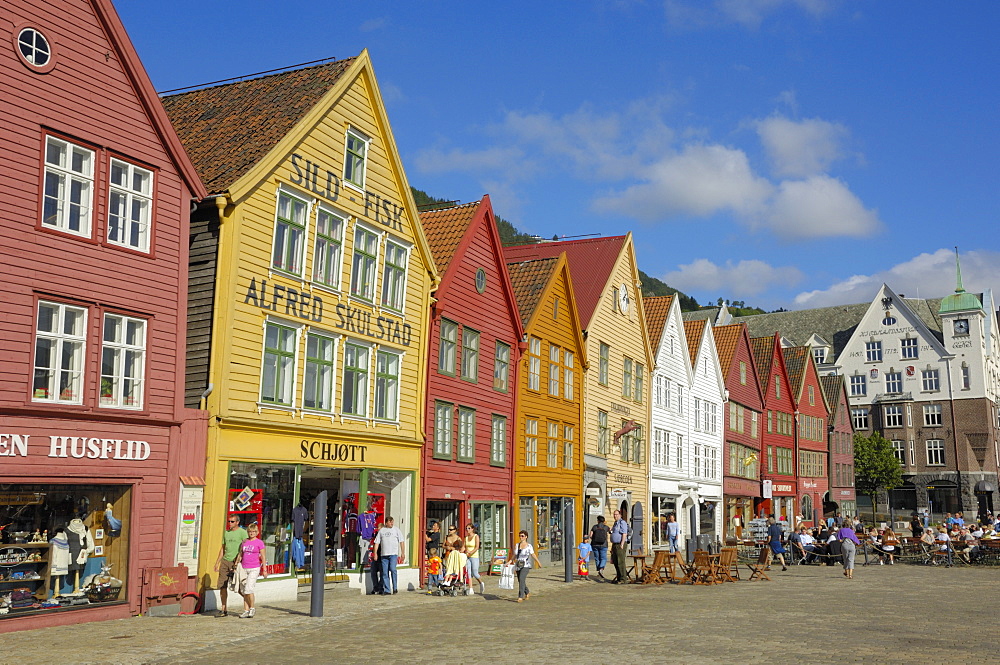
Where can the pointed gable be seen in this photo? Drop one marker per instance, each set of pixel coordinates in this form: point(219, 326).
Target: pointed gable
point(657, 309)
point(796, 358)
point(445, 229)
point(694, 331)
point(727, 338)
point(763, 354)
point(228, 129)
point(833, 386)
point(529, 279)
point(591, 262)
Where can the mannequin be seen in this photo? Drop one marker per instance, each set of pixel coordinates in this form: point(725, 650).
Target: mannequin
point(59, 558)
point(81, 545)
point(114, 524)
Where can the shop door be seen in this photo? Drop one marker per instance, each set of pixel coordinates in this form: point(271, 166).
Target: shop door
point(491, 521)
point(527, 521)
point(444, 512)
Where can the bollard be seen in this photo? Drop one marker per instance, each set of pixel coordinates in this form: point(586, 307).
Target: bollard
point(318, 556)
point(569, 529)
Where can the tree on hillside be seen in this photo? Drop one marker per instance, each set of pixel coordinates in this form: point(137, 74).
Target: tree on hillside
point(876, 468)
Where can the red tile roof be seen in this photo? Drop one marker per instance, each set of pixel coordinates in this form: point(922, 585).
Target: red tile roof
point(832, 385)
point(726, 340)
point(445, 229)
point(529, 279)
point(228, 128)
point(796, 358)
point(590, 264)
point(763, 356)
point(656, 308)
point(693, 330)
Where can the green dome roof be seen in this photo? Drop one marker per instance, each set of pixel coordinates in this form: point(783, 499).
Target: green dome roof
point(960, 301)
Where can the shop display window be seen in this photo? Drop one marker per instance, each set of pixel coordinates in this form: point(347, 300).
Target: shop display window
point(542, 518)
point(265, 494)
point(62, 547)
point(661, 508)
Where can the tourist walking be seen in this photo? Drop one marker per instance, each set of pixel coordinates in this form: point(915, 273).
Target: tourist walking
point(619, 539)
point(673, 533)
point(225, 564)
point(253, 563)
point(472, 543)
point(599, 535)
point(521, 557)
point(774, 538)
point(848, 547)
point(389, 551)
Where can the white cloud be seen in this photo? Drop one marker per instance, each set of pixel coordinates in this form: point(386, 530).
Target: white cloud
point(742, 279)
point(701, 180)
point(801, 148)
point(819, 207)
point(928, 275)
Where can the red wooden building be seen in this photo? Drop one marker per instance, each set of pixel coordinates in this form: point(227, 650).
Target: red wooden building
point(99, 454)
point(841, 497)
point(742, 445)
point(467, 469)
point(812, 446)
point(778, 463)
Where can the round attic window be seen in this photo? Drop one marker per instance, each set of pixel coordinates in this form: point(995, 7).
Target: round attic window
point(34, 47)
point(480, 280)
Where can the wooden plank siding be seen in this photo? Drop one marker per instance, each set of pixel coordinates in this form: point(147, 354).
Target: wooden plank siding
point(96, 95)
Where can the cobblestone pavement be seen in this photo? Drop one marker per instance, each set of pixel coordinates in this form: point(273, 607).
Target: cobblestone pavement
point(810, 614)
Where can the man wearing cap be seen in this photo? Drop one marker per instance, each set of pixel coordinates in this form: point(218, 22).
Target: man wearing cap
point(225, 565)
point(619, 538)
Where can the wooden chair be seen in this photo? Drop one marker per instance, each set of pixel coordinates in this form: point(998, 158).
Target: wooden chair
point(677, 570)
point(727, 565)
point(652, 573)
point(757, 569)
point(703, 571)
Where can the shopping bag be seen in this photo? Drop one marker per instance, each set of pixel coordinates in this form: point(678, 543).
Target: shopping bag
point(507, 576)
point(581, 568)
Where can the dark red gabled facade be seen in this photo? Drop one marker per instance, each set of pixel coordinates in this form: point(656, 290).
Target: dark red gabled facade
point(778, 452)
point(811, 438)
point(96, 193)
point(841, 497)
point(474, 299)
point(742, 449)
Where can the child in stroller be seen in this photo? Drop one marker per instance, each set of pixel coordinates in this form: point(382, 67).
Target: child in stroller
point(456, 577)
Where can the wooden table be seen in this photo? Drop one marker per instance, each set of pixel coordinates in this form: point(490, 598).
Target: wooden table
point(676, 563)
point(638, 570)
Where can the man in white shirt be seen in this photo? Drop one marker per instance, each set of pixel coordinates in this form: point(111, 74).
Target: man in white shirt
point(808, 545)
point(942, 539)
point(389, 547)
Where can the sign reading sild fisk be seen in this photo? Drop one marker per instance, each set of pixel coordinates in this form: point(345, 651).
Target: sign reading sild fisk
point(293, 302)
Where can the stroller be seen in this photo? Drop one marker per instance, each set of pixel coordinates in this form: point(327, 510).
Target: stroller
point(455, 582)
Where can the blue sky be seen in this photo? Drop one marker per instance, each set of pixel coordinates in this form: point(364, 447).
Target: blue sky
point(789, 153)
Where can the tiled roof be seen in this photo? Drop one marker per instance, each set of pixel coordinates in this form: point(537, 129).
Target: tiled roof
point(796, 358)
point(228, 128)
point(832, 385)
point(590, 264)
point(529, 279)
point(656, 308)
point(834, 324)
point(763, 355)
point(693, 330)
point(445, 229)
point(726, 340)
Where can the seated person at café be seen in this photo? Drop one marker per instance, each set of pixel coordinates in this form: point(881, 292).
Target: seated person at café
point(808, 544)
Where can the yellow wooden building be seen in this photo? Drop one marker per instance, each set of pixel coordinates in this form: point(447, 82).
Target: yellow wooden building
point(309, 297)
point(548, 469)
point(616, 387)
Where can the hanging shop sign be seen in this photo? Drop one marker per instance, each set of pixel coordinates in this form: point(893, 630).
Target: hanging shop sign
point(78, 447)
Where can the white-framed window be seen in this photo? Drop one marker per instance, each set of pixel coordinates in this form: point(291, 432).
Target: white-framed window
point(679, 450)
point(329, 249)
point(318, 380)
point(290, 220)
point(466, 435)
point(812, 396)
point(932, 415)
point(661, 447)
point(569, 374)
point(604, 364)
point(859, 387)
point(530, 442)
point(627, 377)
point(130, 204)
point(680, 400)
point(712, 417)
point(355, 157)
point(894, 382)
point(930, 380)
point(447, 347)
point(819, 354)
point(892, 415)
point(711, 462)
point(640, 385)
point(394, 276)
point(498, 441)
point(935, 452)
point(696, 459)
point(123, 361)
point(873, 352)
point(697, 414)
point(966, 377)
point(69, 187)
point(754, 424)
point(60, 345)
point(501, 366)
point(859, 418)
point(363, 263)
point(552, 447)
point(354, 387)
point(387, 385)
point(569, 434)
point(278, 368)
point(899, 450)
point(470, 355)
point(909, 347)
point(534, 363)
point(555, 377)
point(444, 417)
point(34, 47)
point(603, 433)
